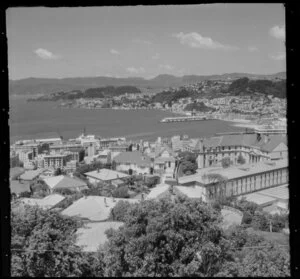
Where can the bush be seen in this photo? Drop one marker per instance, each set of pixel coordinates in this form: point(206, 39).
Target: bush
point(241, 160)
point(121, 192)
point(226, 162)
point(119, 212)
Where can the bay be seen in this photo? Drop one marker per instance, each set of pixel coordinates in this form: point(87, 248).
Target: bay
point(46, 119)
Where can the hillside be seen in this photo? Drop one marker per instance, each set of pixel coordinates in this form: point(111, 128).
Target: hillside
point(244, 86)
point(99, 92)
point(199, 107)
point(33, 86)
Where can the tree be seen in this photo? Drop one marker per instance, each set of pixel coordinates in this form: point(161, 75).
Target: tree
point(121, 192)
point(43, 243)
point(241, 160)
point(165, 238)
point(119, 211)
point(226, 162)
point(57, 172)
point(216, 191)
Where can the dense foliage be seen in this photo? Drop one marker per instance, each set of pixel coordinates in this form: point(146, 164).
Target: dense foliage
point(167, 97)
point(162, 238)
point(226, 162)
point(43, 243)
point(267, 87)
point(188, 163)
point(199, 107)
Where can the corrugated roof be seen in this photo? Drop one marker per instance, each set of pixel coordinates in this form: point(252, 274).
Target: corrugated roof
point(93, 208)
point(93, 234)
point(106, 174)
point(134, 157)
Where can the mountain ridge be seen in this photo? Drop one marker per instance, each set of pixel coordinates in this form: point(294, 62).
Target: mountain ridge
point(34, 85)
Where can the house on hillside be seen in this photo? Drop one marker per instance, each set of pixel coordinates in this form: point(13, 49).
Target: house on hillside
point(133, 162)
point(104, 175)
point(65, 182)
point(164, 161)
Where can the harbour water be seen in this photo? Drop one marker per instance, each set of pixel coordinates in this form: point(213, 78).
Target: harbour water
point(48, 119)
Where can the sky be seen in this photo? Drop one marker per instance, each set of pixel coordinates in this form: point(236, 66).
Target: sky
point(145, 41)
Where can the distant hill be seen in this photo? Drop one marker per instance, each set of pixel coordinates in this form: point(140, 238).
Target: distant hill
point(34, 86)
point(245, 86)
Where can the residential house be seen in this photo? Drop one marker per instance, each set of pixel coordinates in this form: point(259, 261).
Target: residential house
point(104, 175)
point(47, 202)
point(31, 175)
point(133, 162)
point(65, 182)
point(94, 208)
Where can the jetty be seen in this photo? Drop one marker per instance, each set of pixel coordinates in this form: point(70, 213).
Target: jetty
point(185, 119)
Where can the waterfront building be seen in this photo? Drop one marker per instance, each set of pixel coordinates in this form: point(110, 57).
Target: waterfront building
point(238, 180)
point(133, 162)
point(104, 175)
point(58, 148)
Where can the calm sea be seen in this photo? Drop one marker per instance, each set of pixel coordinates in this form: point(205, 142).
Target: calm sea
point(47, 119)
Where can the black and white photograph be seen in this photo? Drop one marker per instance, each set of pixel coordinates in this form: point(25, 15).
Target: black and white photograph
point(148, 141)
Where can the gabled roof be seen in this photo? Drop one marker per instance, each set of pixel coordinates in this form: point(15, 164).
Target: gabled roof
point(31, 174)
point(94, 208)
point(134, 157)
point(45, 203)
point(93, 234)
point(62, 181)
point(157, 191)
point(273, 143)
point(106, 174)
point(195, 192)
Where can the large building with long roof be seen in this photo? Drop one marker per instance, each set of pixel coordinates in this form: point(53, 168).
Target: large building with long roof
point(252, 147)
point(238, 180)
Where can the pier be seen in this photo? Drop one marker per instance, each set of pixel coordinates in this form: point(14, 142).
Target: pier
point(184, 119)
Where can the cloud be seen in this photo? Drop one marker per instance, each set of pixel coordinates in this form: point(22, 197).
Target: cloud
point(46, 54)
point(278, 56)
point(253, 49)
point(195, 40)
point(139, 41)
point(166, 67)
point(115, 52)
point(133, 70)
point(156, 56)
point(278, 32)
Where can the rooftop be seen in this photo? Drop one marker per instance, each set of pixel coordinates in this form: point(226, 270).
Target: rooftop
point(234, 172)
point(157, 191)
point(18, 187)
point(106, 174)
point(93, 234)
point(45, 203)
point(195, 192)
point(31, 174)
point(62, 181)
point(134, 157)
point(93, 208)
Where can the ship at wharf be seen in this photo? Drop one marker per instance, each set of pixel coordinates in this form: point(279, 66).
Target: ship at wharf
point(185, 119)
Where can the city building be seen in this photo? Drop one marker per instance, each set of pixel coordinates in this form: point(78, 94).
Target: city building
point(252, 147)
point(238, 180)
point(56, 160)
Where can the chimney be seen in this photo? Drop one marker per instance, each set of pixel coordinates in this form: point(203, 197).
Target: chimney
point(266, 139)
